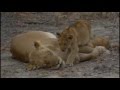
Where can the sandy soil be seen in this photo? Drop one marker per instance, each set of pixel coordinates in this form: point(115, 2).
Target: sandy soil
point(105, 66)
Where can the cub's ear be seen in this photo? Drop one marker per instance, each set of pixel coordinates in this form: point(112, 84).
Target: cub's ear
point(58, 34)
point(70, 37)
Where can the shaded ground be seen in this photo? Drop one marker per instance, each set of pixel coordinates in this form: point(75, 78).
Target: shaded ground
point(105, 66)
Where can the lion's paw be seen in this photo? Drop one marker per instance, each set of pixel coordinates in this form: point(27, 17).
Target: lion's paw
point(69, 64)
point(32, 67)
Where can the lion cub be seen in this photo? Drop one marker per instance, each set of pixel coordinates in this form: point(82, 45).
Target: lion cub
point(78, 38)
point(75, 36)
point(43, 57)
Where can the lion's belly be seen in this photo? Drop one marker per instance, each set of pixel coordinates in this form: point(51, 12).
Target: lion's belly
point(22, 44)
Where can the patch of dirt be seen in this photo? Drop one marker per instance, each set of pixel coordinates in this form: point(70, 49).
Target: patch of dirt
point(13, 23)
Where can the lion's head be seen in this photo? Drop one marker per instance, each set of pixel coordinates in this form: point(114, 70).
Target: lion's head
point(64, 40)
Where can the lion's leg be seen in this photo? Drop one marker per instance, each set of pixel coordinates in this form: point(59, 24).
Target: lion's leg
point(85, 49)
point(71, 57)
point(98, 51)
point(35, 64)
point(85, 57)
point(94, 54)
point(58, 66)
point(60, 63)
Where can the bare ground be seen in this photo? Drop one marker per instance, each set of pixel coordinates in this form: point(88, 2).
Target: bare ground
point(105, 66)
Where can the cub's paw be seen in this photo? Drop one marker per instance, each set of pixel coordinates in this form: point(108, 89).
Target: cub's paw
point(69, 64)
point(62, 65)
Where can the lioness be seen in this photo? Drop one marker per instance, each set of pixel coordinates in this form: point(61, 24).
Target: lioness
point(43, 57)
point(22, 44)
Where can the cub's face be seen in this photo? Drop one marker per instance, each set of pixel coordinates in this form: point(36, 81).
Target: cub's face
point(64, 40)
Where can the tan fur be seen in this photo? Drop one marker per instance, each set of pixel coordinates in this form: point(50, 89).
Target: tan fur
point(78, 38)
point(97, 51)
point(100, 41)
point(95, 41)
point(74, 37)
point(23, 48)
point(43, 57)
point(22, 44)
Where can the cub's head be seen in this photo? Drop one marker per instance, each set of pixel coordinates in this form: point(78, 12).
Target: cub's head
point(64, 40)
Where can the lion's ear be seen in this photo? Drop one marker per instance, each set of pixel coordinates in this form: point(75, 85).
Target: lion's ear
point(37, 44)
point(70, 37)
point(58, 34)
